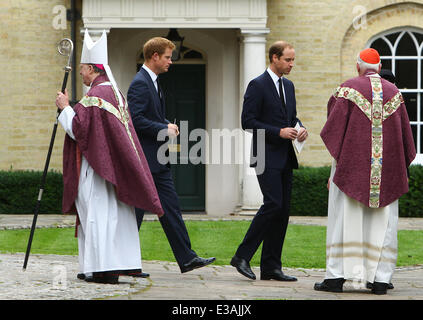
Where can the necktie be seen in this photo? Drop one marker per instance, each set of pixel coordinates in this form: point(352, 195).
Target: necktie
point(159, 92)
point(281, 94)
point(158, 89)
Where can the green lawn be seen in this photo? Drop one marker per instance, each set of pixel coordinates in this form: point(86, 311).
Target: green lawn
point(304, 245)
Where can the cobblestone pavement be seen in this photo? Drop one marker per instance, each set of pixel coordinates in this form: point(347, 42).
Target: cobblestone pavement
point(53, 277)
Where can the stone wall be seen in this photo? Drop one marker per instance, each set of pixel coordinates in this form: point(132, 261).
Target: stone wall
point(31, 74)
point(327, 36)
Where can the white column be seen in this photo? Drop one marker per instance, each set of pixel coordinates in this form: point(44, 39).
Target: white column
point(253, 63)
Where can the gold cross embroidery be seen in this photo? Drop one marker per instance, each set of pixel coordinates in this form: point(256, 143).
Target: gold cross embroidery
point(376, 112)
point(121, 114)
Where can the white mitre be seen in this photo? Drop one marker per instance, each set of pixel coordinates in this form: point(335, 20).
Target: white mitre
point(96, 53)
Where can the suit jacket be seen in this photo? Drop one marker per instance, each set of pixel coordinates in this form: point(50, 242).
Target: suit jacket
point(262, 109)
point(148, 116)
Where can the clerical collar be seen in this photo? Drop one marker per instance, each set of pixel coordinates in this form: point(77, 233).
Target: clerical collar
point(151, 73)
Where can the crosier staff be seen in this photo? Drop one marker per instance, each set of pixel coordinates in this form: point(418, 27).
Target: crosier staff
point(65, 48)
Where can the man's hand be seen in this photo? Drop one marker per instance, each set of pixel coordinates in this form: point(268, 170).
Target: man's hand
point(302, 134)
point(172, 130)
point(62, 100)
point(288, 133)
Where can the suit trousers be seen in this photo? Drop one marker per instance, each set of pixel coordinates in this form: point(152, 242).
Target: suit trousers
point(172, 223)
point(270, 223)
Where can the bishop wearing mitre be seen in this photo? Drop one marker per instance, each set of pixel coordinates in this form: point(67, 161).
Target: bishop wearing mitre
point(105, 172)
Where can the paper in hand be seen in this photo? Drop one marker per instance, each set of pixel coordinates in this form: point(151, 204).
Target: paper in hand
point(298, 145)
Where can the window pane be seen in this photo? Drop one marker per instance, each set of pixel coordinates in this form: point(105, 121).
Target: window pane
point(393, 37)
point(421, 74)
point(406, 46)
point(410, 100)
point(382, 47)
point(406, 74)
point(387, 64)
point(414, 130)
point(419, 37)
point(421, 140)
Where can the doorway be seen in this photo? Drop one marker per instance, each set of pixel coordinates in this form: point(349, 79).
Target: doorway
point(184, 88)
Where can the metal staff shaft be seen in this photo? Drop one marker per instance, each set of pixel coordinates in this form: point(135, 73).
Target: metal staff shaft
point(47, 163)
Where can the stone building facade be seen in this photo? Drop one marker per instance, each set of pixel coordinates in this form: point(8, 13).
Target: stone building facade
point(227, 41)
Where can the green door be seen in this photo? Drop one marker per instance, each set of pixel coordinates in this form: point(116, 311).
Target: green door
point(184, 88)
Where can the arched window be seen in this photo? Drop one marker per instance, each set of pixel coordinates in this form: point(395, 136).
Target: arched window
point(401, 51)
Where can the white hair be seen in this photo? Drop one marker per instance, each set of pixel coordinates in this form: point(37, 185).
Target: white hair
point(366, 66)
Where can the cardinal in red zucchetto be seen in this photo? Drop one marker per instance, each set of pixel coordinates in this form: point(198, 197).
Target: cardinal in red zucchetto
point(369, 137)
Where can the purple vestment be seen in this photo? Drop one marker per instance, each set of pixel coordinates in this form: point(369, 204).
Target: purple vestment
point(367, 123)
point(105, 136)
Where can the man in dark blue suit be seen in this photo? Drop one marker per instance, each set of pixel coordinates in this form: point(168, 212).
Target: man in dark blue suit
point(270, 105)
point(147, 108)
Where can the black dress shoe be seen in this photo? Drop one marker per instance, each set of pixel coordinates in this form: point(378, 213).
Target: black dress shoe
point(379, 288)
point(81, 276)
point(330, 285)
point(276, 275)
point(89, 278)
point(243, 267)
point(135, 274)
point(369, 285)
point(196, 263)
point(107, 277)
point(139, 274)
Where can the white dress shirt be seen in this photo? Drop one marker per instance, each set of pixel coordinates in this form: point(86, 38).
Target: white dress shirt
point(152, 75)
point(275, 79)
